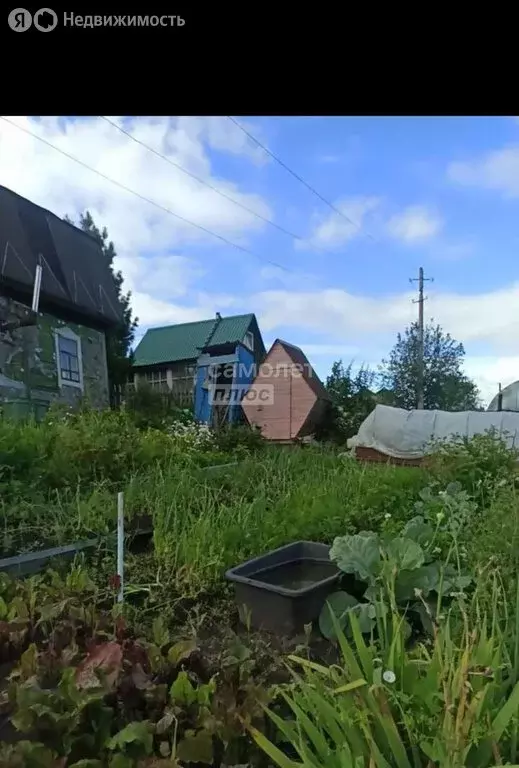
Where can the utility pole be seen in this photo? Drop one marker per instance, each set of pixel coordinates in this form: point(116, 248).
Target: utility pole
point(420, 301)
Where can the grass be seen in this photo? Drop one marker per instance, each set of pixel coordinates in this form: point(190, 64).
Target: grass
point(204, 521)
point(206, 524)
point(59, 481)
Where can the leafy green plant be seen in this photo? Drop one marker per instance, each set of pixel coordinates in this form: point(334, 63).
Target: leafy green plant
point(116, 702)
point(149, 408)
point(239, 440)
point(479, 464)
point(451, 704)
point(399, 573)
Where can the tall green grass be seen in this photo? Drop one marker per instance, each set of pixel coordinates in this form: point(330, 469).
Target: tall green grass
point(204, 524)
point(452, 702)
point(59, 481)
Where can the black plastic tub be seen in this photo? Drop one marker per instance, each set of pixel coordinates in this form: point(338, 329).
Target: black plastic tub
point(284, 589)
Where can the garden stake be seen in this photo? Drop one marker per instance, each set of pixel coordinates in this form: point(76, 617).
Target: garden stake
point(120, 544)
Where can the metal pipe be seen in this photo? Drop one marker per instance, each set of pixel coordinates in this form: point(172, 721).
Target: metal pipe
point(36, 288)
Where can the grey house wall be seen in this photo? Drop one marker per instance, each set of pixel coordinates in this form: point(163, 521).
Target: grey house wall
point(29, 378)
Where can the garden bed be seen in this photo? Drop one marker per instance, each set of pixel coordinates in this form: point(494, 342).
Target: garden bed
point(377, 457)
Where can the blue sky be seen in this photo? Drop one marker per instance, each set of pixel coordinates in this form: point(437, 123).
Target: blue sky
point(442, 193)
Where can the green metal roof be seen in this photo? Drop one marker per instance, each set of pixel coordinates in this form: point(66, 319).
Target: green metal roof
point(172, 343)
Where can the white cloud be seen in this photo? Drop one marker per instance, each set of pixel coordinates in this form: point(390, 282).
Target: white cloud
point(487, 317)
point(333, 230)
point(498, 170)
point(166, 277)
point(47, 178)
point(488, 372)
point(227, 137)
point(365, 324)
point(415, 223)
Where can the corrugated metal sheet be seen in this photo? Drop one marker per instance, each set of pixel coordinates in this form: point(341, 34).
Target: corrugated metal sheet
point(231, 329)
point(76, 274)
point(173, 343)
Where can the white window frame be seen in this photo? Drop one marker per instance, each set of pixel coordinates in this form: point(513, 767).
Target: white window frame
point(67, 333)
point(248, 341)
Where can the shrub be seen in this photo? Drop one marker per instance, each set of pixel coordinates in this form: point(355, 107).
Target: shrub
point(149, 408)
point(384, 492)
point(478, 463)
point(239, 439)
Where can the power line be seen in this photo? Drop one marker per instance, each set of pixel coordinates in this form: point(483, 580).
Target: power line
point(145, 199)
point(205, 183)
point(296, 175)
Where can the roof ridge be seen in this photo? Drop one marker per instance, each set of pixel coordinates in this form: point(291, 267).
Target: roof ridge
point(196, 322)
point(178, 325)
point(47, 211)
point(288, 344)
point(183, 341)
point(218, 319)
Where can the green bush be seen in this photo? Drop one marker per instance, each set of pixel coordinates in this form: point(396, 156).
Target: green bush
point(149, 408)
point(479, 463)
point(239, 439)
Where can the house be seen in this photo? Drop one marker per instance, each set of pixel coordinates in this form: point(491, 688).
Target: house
point(208, 364)
point(287, 400)
point(57, 300)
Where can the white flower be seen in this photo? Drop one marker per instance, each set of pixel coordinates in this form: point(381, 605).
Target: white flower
point(387, 516)
point(388, 676)
point(440, 516)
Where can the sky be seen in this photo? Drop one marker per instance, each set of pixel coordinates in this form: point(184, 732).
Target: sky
point(399, 193)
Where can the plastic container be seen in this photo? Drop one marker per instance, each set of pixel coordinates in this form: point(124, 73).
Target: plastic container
point(284, 589)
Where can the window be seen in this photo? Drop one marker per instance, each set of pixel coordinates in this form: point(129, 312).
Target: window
point(68, 358)
point(248, 341)
point(157, 379)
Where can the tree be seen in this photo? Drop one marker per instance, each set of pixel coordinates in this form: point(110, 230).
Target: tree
point(119, 339)
point(352, 399)
point(446, 387)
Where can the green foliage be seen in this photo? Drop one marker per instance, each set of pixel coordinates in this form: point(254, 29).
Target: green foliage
point(480, 463)
point(149, 408)
point(119, 340)
point(450, 703)
point(446, 387)
point(399, 573)
point(239, 440)
point(58, 478)
point(352, 401)
point(88, 693)
point(428, 637)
